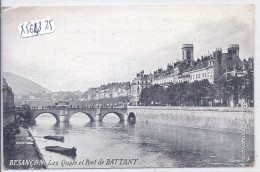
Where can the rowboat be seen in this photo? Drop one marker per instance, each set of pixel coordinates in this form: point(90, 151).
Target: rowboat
point(62, 150)
point(57, 138)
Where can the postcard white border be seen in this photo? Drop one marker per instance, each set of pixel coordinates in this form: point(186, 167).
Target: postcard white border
point(163, 2)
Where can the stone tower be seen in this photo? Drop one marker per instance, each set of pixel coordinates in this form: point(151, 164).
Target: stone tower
point(187, 52)
point(233, 49)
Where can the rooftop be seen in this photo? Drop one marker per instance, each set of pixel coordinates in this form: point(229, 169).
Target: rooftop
point(187, 45)
point(233, 45)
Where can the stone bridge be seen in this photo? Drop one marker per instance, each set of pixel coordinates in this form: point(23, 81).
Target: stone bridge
point(235, 119)
point(64, 114)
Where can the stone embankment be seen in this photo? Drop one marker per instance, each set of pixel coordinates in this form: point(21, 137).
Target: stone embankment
point(21, 150)
point(235, 119)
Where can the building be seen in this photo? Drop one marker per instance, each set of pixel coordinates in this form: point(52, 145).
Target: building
point(140, 82)
point(214, 67)
point(8, 104)
point(175, 73)
point(187, 53)
point(107, 91)
point(170, 75)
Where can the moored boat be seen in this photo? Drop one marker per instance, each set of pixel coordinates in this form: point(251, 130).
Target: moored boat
point(57, 138)
point(62, 150)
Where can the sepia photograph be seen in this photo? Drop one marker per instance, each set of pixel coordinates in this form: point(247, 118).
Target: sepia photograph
point(128, 86)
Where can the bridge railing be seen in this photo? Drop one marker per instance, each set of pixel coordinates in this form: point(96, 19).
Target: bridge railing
point(97, 106)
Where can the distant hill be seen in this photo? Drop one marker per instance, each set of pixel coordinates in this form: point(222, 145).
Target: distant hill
point(23, 86)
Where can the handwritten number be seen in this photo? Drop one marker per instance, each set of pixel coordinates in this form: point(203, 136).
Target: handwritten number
point(46, 21)
point(50, 23)
point(31, 28)
point(35, 28)
point(40, 26)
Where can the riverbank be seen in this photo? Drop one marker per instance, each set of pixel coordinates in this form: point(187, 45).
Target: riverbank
point(21, 150)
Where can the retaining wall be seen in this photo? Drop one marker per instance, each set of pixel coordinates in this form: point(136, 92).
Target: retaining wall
point(228, 119)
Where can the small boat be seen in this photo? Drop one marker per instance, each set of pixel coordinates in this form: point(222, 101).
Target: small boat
point(57, 138)
point(61, 150)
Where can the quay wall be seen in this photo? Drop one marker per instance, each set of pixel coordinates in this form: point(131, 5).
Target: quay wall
point(235, 119)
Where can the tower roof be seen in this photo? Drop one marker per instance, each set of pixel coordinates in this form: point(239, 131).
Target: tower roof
point(233, 46)
point(187, 45)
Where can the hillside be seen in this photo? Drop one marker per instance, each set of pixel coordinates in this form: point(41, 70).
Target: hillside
point(23, 86)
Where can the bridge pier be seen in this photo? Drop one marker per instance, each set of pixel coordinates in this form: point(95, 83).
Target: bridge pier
point(64, 116)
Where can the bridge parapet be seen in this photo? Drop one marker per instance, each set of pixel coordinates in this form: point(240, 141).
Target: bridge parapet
point(65, 113)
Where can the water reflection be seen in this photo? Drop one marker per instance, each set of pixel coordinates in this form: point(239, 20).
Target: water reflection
point(90, 125)
point(155, 145)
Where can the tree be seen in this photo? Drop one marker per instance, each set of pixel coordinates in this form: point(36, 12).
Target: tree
point(172, 95)
point(179, 92)
point(247, 92)
point(158, 95)
point(145, 97)
point(211, 93)
point(223, 92)
point(200, 93)
point(235, 85)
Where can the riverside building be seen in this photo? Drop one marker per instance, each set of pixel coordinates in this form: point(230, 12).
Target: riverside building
point(214, 67)
point(138, 84)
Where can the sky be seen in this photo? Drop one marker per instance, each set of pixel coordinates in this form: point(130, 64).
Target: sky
point(94, 45)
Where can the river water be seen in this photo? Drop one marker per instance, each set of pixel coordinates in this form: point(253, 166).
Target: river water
point(142, 144)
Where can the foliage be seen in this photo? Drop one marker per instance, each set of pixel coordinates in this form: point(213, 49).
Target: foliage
point(201, 93)
point(155, 95)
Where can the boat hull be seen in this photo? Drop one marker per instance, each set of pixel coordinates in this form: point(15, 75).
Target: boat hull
point(61, 150)
point(57, 138)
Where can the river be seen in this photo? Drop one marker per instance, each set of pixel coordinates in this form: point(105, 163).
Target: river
point(142, 144)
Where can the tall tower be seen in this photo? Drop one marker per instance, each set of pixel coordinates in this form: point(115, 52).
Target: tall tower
point(187, 52)
point(233, 49)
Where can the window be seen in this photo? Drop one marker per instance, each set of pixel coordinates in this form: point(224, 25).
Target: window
point(188, 55)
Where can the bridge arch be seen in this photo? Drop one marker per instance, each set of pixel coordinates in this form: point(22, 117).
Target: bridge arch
point(120, 116)
point(131, 117)
point(88, 114)
point(53, 114)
